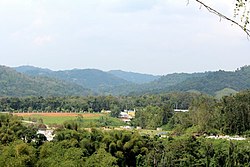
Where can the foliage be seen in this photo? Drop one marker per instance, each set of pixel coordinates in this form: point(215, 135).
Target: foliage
point(18, 154)
point(115, 111)
point(224, 92)
point(242, 10)
point(77, 147)
point(230, 115)
point(13, 83)
point(101, 158)
point(152, 117)
point(12, 129)
point(235, 113)
point(94, 103)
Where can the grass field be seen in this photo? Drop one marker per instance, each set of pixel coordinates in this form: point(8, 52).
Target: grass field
point(88, 120)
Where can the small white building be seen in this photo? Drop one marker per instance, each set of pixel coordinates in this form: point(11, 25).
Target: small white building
point(130, 112)
point(125, 115)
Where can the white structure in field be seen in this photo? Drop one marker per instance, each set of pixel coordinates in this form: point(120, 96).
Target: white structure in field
point(125, 117)
point(47, 132)
point(180, 110)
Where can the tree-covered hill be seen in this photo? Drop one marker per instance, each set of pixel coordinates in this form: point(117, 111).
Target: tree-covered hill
point(106, 83)
point(96, 80)
point(31, 70)
point(215, 81)
point(155, 86)
point(93, 79)
point(208, 82)
point(13, 83)
point(137, 78)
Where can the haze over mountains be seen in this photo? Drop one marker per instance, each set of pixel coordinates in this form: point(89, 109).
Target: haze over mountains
point(34, 81)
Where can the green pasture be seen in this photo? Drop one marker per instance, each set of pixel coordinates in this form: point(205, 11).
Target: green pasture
point(57, 119)
point(86, 122)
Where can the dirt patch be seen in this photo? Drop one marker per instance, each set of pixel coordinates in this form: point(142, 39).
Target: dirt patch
point(59, 114)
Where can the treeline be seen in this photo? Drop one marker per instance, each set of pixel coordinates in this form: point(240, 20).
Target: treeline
point(94, 103)
point(77, 147)
point(230, 115)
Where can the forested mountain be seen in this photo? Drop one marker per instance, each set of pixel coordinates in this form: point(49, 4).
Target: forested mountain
point(165, 82)
point(175, 78)
point(137, 78)
point(13, 83)
point(123, 83)
point(216, 81)
point(93, 79)
point(31, 70)
point(208, 82)
point(96, 80)
point(157, 86)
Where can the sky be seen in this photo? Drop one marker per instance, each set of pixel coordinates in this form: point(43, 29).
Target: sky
point(146, 36)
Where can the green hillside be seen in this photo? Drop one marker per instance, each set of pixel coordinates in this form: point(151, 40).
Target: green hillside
point(213, 83)
point(209, 82)
point(216, 81)
point(13, 83)
point(156, 86)
point(137, 78)
point(225, 92)
point(93, 79)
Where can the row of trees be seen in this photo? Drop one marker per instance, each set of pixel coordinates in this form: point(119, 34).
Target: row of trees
point(94, 103)
point(152, 117)
point(230, 115)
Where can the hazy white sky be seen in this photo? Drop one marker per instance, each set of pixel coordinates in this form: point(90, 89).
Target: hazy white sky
point(147, 36)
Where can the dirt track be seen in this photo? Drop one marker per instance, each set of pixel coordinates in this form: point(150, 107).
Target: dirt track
point(59, 114)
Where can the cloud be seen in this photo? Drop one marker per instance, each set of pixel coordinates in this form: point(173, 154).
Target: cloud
point(38, 23)
point(137, 32)
point(42, 40)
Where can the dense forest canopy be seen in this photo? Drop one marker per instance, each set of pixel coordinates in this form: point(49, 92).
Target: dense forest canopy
point(94, 103)
point(71, 146)
point(229, 115)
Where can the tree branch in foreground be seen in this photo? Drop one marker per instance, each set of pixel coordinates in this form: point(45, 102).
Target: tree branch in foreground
point(211, 10)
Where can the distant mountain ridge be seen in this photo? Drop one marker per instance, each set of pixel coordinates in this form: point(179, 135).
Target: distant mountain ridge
point(207, 82)
point(29, 69)
point(118, 82)
point(93, 79)
point(157, 86)
point(133, 77)
point(13, 83)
